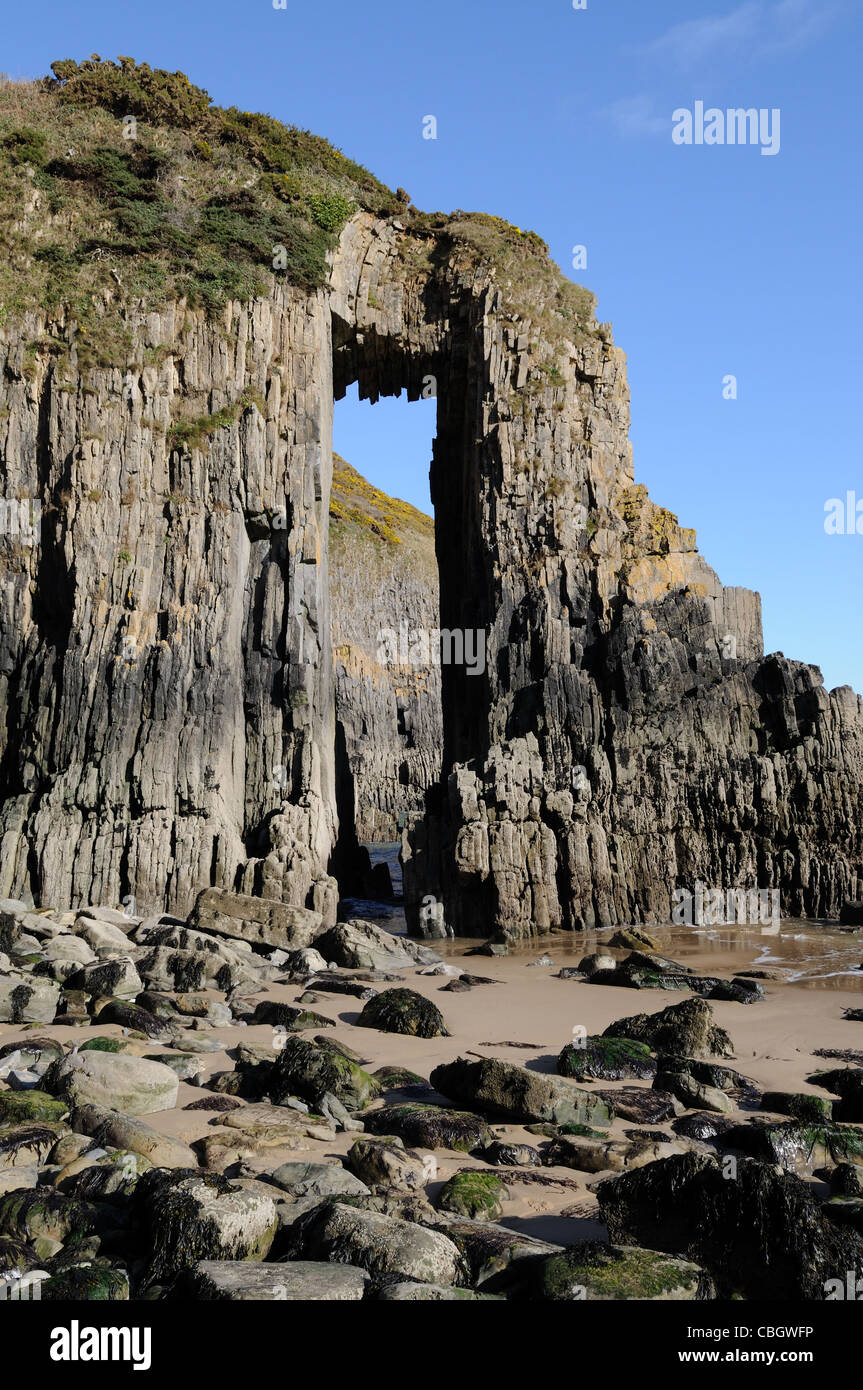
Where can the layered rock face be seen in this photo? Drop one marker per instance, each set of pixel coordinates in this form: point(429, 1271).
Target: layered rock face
point(165, 661)
point(383, 588)
point(166, 668)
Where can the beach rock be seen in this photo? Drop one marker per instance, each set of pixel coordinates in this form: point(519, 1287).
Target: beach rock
point(703, 1126)
point(695, 1095)
point(686, 1029)
point(25, 1144)
point(377, 1243)
point(302, 1281)
point(403, 1011)
point(497, 1258)
point(106, 1127)
point(847, 1083)
point(846, 1180)
point(131, 1085)
point(308, 1070)
point(799, 1106)
point(133, 1017)
point(505, 1155)
point(384, 1161)
point(634, 939)
point(606, 1059)
point(504, 1091)
point(363, 945)
point(30, 1107)
point(261, 921)
point(595, 963)
point(407, 1291)
point(430, 1127)
point(596, 1156)
point(43, 1211)
point(27, 999)
point(606, 1273)
point(644, 1107)
point(116, 978)
point(190, 1216)
point(474, 1195)
point(799, 1147)
point(287, 1018)
point(86, 1284)
point(317, 1180)
point(762, 1236)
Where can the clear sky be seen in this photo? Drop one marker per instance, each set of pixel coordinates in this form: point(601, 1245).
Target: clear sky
point(709, 260)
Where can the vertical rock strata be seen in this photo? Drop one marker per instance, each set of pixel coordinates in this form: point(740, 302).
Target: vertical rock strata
point(165, 666)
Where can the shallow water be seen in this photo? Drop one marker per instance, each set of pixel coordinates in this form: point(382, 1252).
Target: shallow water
point(806, 954)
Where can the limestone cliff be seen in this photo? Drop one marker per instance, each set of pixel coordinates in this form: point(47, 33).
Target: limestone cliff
point(383, 576)
point(179, 313)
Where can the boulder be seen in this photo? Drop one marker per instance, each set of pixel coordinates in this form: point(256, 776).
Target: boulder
point(191, 1216)
point(116, 978)
point(761, 1236)
point(431, 1127)
point(363, 945)
point(304, 1281)
point(604, 1273)
point(27, 999)
point(310, 1071)
point(686, 1029)
point(606, 1059)
point(132, 1085)
point(403, 1011)
point(377, 1243)
point(473, 1194)
point(261, 921)
point(384, 1161)
point(504, 1091)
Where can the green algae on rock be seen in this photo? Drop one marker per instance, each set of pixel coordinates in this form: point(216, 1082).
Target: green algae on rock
point(403, 1011)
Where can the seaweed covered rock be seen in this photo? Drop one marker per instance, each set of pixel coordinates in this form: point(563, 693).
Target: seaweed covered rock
point(42, 1211)
point(431, 1127)
point(504, 1155)
point(27, 999)
point(91, 1283)
point(377, 1243)
point(288, 1018)
point(504, 1091)
point(847, 1083)
point(606, 1059)
point(686, 1029)
point(798, 1105)
point(311, 1071)
point(403, 1011)
point(799, 1146)
point(23, 1145)
point(762, 1236)
point(192, 1216)
point(612, 1272)
point(30, 1107)
point(472, 1194)
point(497, 1258)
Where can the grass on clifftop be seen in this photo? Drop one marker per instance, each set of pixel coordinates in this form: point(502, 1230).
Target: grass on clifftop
point(123, 185)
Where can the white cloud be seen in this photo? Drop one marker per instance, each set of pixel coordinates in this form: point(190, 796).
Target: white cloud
point(756, 29)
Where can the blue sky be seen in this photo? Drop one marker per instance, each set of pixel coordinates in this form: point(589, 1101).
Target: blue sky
point(709, 260)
